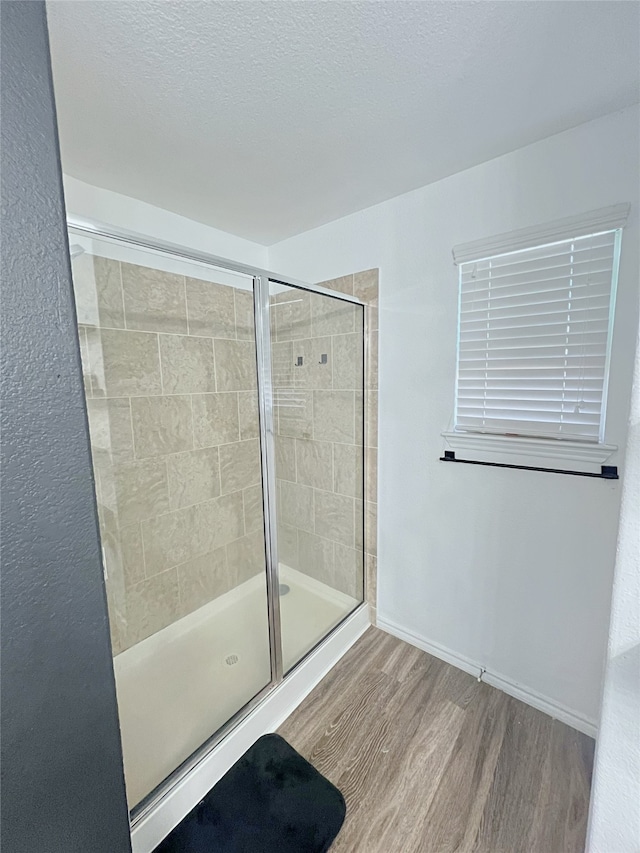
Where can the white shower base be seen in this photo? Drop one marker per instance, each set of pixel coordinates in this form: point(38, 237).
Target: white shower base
point(179, 686)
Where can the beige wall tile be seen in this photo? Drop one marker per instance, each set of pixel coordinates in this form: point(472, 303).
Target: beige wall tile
point(365, 286)
point(109, 292)
point(334, 517)
point(330, 316)
point(285, 458)
point(371, 529)
point(291, 315)
point(343, 284)
point(171, 539)
point(245, 320)
point(110, 430)
point(282, 366)
point(235, 365)
point(97, 377)
point(193, 477)
point(112, 556)
point(296, 505)
point(358, 523)
point(316, 557)
point(140, 489)
point(132, 554)
point(372, 419)
point(202, 579)
point(221, 520)
point(273, 313)
point(179, 536)
point(372, 364)
point(333, 416)
point(347, 470)
point(116, 606)
point(371, 564)
point(84, 359)
point(153, 300)
point(371, 455)
point(300, 314)
point(348, 360)
point(106, 496)
point(161, 425)
point(84, 290)
point(151, 605)
point(215, 419)
point(294, 413)
point(186, 364)
point(210, 309)
point(246, 558)
point(314, 461)
point(248, 414)
point(349, 569)
point(359, 406)
point(288, 545)
point(131, 363)
point(312, 374)
point(253, 509)
point(240, 465)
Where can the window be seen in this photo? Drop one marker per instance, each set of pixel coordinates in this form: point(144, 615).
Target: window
point(534, 332)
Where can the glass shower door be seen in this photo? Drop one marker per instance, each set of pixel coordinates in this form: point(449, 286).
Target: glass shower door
point(169, 359)
point(317, 373)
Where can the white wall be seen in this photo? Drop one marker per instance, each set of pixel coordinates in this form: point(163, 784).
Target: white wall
point(87, 201)
point(508, 569)
point(615, 801)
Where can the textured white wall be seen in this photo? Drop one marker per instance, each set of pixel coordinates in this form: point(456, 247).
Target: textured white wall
point(615, 804)
point(510, 569)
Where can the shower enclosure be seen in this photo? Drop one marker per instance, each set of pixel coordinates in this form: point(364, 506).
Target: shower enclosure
point(226, 418)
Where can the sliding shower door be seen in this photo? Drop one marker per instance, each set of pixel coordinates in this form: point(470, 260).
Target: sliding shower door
point(317, 372)
point(197, 422)
point(169, 358)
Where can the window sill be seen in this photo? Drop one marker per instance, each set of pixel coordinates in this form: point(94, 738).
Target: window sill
point(541, 452)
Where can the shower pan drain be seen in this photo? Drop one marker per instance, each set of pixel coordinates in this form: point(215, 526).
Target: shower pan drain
point(284, 588)
point(231, 660)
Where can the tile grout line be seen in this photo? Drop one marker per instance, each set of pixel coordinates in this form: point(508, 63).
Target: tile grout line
point(193, 557)
point(186, 305)
point(133, 438)
point(192, 505)
point(139, 331)
point(124, 307)
point(162, 394)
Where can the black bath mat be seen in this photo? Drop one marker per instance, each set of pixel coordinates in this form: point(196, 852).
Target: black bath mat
point(271, 801)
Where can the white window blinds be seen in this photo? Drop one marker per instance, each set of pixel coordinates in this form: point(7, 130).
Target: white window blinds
point(534, 339)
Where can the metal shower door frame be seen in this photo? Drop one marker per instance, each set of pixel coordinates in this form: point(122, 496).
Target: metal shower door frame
point(262, 309)
point(262, 314)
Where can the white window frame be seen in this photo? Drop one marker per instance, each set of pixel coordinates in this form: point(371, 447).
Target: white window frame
point(542, 451)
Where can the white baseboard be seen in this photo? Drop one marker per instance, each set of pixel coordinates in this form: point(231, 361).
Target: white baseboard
point(512, 688)
point(266, 717)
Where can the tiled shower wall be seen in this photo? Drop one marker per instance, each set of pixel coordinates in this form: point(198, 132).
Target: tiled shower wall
point(320, 408)
point(170, 376)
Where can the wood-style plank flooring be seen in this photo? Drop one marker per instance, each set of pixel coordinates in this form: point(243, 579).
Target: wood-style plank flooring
point(431, 761)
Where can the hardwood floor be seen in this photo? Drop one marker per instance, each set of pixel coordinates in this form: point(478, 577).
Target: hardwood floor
point(431, 761)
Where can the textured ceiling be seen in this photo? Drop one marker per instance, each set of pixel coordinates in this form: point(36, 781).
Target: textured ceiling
point(266, 119)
